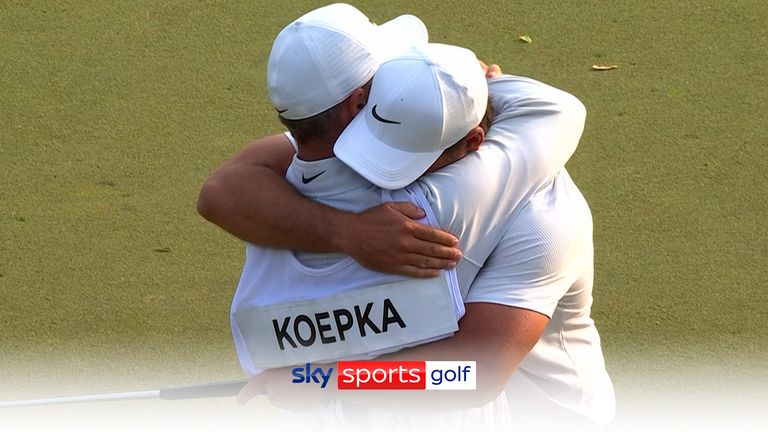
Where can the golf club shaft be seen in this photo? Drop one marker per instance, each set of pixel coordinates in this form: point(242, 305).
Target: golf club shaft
point(104, 397)
point(220, 389)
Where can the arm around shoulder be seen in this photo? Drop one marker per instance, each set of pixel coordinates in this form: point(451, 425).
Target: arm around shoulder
point(547, 123)
point(248, 197)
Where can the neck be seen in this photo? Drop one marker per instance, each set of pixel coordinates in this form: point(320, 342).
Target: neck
point(312, 150)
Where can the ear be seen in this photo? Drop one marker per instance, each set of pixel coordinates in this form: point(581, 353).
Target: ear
point(356, 101)
point(473, 139)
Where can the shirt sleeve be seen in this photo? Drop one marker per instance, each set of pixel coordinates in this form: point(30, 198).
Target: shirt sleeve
point(545, 252)
point(535, 131)
point(524, 274)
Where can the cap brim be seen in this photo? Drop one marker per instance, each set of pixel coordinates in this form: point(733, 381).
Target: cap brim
point(399, 34)
point(379, 163)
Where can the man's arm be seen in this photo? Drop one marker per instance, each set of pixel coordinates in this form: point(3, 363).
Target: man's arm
point(248, 197)
point(497, 337)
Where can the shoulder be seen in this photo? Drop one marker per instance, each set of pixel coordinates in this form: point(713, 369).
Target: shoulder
point(542, 252)
point(553, 231)
point(520, 90)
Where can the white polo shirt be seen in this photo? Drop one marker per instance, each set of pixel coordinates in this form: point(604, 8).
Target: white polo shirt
point(527, 243)
point(480, 199)
point(545, 263)
point(535, 130)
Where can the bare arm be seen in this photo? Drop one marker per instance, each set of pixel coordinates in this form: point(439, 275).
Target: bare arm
point(248, 197)
point(497, 337)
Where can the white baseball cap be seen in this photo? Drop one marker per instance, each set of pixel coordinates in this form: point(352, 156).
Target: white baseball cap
point(421, 102)
point(318, 60)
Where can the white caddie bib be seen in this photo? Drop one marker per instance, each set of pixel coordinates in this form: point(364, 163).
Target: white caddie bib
point(348, 324)
point(285, 313)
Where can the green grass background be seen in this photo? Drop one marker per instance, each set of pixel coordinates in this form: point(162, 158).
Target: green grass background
point(112, 114)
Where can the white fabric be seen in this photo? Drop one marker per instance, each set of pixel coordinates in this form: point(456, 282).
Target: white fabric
point(535, 131)
point(319, 59)
point(278, 277)
point(494, 416)
point(540, 246)
point(423, 101)
point(544, 263)
point(336, 185)
point(362, 320)
point(481, 198)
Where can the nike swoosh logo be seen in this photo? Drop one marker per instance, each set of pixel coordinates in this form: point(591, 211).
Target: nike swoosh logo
point(306, 180)
point(281, 111)
point(380, 118)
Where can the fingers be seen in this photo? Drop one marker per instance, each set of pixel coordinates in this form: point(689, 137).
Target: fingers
point(415, 272)
point(423, 266)
point(436, 236)
point(493, 71)
point(424, 232)
point(390, 241)
point(408, 209)
point(426, 262)
point(483, 66)
point(440, 256)
point(430, 242)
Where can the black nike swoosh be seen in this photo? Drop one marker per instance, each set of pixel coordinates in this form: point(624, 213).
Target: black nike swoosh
point(281, 111)
point(381, 119)
point(306, 180)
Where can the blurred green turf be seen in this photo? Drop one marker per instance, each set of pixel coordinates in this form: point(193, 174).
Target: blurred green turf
point(113, 113)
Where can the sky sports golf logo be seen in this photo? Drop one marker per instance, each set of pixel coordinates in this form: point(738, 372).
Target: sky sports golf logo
point(392, 375)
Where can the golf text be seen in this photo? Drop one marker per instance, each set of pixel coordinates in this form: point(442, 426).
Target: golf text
point(393, 375)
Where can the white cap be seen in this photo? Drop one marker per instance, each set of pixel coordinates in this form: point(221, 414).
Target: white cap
point(318, 60)
point(421, 102)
